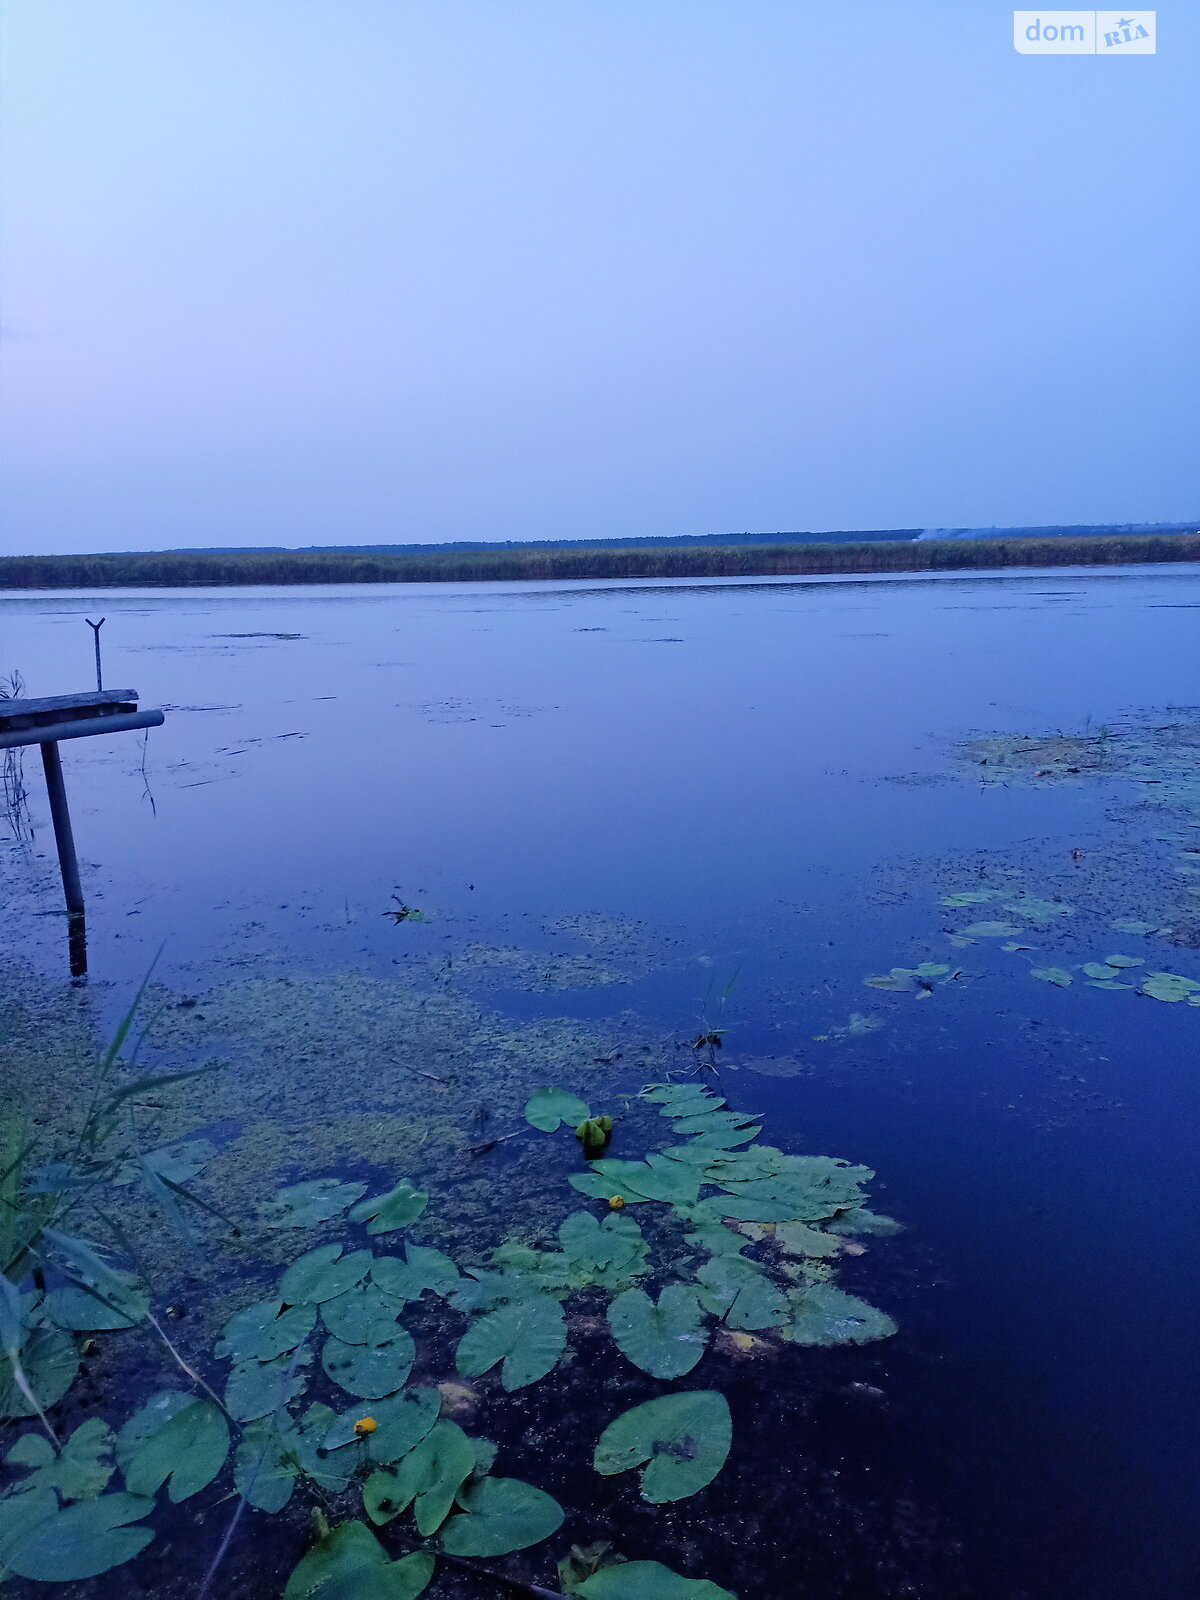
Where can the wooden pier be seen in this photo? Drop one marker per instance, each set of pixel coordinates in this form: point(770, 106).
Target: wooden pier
point(46, 722)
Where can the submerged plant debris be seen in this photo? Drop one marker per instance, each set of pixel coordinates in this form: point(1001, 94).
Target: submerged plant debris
point(514, 967)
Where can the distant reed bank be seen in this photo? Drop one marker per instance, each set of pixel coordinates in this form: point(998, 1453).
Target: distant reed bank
point(203, 569)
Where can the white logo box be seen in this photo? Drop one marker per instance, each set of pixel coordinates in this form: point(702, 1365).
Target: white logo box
point(1085, 33)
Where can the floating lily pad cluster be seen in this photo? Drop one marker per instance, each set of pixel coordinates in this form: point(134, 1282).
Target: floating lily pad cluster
point(1058, 976)
point(337, 1317)
point(1113, 972)
point(1032, 909)
point(717, 1177)
point(918, 981)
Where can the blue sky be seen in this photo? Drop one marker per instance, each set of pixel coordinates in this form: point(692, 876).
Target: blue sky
point(404, 270)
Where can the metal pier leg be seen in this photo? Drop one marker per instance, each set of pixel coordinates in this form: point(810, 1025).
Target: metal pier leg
point(77, 944)
point(63, 838)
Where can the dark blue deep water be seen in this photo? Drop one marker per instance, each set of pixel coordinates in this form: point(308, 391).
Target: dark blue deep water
point(764, 781)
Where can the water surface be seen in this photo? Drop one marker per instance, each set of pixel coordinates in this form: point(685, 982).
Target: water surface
point(749, 786)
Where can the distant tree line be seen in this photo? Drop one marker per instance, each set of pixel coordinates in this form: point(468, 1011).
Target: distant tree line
point(219, 569)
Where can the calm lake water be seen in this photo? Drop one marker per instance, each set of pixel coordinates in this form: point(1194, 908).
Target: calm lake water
point(751, 787)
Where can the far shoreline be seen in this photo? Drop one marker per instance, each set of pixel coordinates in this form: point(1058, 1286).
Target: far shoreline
point(264, 569)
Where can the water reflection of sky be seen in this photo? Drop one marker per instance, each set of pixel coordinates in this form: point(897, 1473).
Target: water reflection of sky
point(712, 760)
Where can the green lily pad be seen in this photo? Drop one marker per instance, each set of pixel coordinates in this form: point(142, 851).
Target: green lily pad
point(50, 1361)
point(80, 1541)
point(991, 930)
point(256, 1388)
point(550, 1270)
point(1098, 970)
point(265, 1466)
point(900, 980)
point(1168, 986)
point(330, 1470)
point(1059, 976)
point(675, 1094)
point(377, 1367)
point(122, 1302)
point(712, 1122)
point(401, 1422)
point(659, 1177)
point(20, 1514)
point(666, 1340)
point(603, 1251)
point(974, 897)
point(730, 1166)
point(608, 1176)
point(356, 1315)
point(694, 1154)
point(79, 1471)
point(322, 1274)
point(481, 1289)
point(698, 1104)
point(729, 1139)
point(35, 1451)
point(680, 1441)
point(741, 1294)
point(528, 1335)
point(709, 1233)
point(548, 1109)
point(826, 1315)
point(751, 1208)
point(428, 1478)
point(1132, 925)
point(647, 1580)
point(178, 1163)
point(500, 1515)
point(421, 1268)
point(1096, 983)
point(1124, 961)
point(264, 1330)
point(176, 1439)
point(387, 1213)
point(597, 1187)
point(349, 1563)
point(303, 1205)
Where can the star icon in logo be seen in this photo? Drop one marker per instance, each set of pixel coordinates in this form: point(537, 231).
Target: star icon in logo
point(1126, 22)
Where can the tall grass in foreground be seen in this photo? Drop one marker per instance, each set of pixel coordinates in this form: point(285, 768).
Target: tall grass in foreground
point(39, 1359)
point(14, 797)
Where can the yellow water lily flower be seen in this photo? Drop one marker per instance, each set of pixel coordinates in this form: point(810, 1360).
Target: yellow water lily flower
point(616, 1202)
point(364, 1426)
